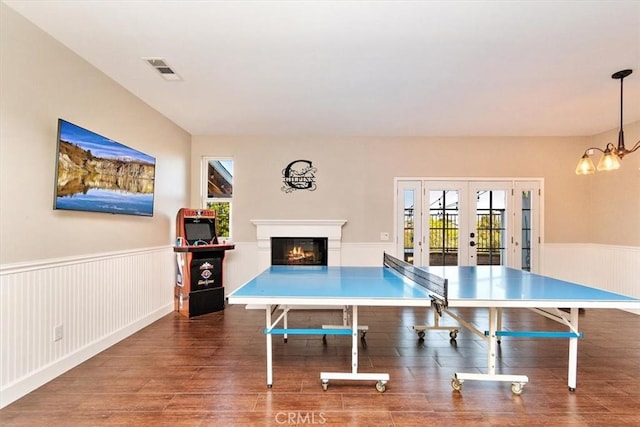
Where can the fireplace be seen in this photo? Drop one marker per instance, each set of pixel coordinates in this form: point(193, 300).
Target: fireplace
point(299, 250)
point(267, 229)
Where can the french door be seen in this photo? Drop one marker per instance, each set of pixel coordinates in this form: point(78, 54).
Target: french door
point(469, 222)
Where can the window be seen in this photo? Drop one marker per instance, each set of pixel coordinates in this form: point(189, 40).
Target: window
point(409, 225)
point(218, 194)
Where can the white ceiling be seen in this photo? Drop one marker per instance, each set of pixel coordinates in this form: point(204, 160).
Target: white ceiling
point(432, 68)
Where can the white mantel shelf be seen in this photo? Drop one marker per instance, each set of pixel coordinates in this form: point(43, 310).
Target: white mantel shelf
point(268, 228)
point(295, 222)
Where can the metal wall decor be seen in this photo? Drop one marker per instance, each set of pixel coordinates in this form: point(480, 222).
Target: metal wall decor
point(299, 175)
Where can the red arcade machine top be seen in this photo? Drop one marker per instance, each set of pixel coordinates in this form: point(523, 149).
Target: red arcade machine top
point(197, 228)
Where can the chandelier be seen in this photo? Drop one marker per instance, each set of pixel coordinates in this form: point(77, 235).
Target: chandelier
point(611, 155)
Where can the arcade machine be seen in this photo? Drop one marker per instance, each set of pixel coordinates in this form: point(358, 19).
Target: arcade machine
point(199, 287)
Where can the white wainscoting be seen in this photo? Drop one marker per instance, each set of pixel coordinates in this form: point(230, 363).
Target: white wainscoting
point(97, 299)
point(366, 254)
point(608, 267)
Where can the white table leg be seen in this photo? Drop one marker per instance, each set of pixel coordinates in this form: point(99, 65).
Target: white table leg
point(286, 321)
point(381, 378)
point(269, 348)
point(491, 356)
point(499, 324)
point(517, 381)
point(354, 340)
point(573, 352)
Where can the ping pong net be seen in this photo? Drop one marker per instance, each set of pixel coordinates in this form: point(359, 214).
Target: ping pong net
point(437, 286)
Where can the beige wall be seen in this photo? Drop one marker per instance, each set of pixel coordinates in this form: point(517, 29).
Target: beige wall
point(42, 81)
point(355, 180)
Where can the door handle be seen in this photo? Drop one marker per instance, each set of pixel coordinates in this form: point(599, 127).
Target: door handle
point(472, 243)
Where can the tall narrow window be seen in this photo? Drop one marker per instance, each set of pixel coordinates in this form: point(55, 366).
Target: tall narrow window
point(526, 230)
point(409, 230)
point(218, 185)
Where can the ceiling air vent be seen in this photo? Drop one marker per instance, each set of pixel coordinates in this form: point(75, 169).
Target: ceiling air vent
point(163, 68)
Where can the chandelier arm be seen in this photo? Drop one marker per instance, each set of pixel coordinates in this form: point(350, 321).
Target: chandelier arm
point(624, 151)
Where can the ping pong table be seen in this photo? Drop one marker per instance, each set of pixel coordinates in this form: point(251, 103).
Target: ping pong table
point(399, 284)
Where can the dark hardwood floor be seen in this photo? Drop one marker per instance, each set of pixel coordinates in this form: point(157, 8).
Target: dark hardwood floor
point(210, 371)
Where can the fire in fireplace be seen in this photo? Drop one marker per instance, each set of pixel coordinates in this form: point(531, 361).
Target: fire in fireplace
point(299, 250)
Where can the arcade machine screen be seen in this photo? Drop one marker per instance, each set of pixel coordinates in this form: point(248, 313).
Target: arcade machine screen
point(199, 233)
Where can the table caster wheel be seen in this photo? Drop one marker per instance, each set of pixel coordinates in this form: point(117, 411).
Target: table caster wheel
point(381, 386)
point(517, 388)
point(456, 384)
point(453, 334)
point(325, 384)
point(421, 335)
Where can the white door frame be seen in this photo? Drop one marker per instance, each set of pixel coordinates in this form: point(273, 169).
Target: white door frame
point(513, 252)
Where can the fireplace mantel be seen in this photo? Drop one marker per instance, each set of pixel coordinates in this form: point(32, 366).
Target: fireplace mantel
point(268, 228)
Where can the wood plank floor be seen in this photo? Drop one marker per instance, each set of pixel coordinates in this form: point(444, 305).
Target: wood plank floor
point(210, 371)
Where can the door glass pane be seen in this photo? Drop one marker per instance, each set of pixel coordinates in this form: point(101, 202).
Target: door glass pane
point(409, 231)
point(490, 227)
point(526, 231)
point(443, 227)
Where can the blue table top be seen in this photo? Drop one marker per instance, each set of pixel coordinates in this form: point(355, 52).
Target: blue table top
point(481, 286)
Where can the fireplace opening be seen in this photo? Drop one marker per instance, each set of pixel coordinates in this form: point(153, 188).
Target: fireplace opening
point(299, 250)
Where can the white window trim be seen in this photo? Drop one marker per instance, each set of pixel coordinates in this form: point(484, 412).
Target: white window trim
point(204, 199)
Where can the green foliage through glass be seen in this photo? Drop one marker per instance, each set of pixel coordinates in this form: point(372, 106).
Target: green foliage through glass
point(223, 210)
